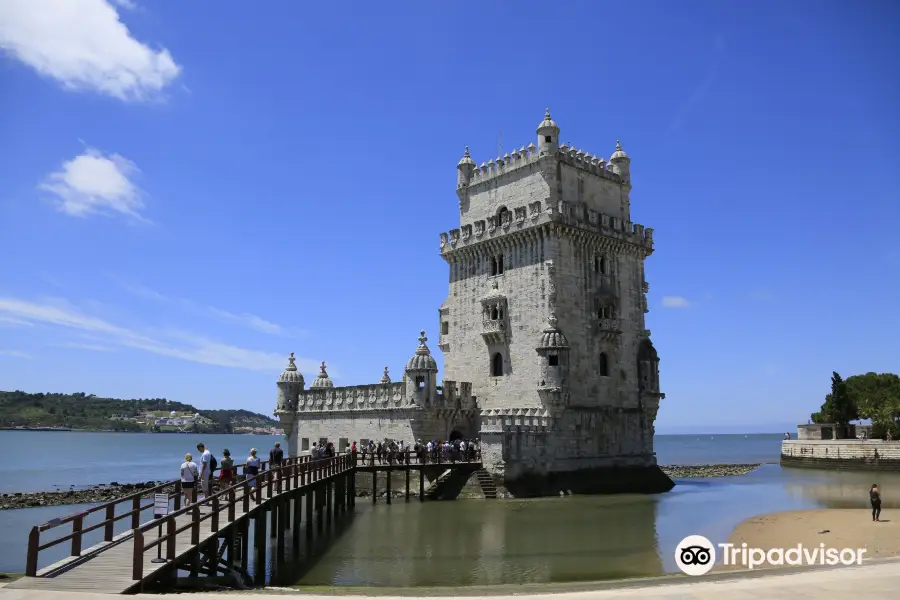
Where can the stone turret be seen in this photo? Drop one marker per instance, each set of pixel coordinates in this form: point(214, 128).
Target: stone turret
point(421, 375)
point(548, 135)
point(322, 381)
point(620, 162)
point(466, 167)
point(290, 384)
point(553, 350)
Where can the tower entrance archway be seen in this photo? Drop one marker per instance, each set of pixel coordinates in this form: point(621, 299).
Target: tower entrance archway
point(456, 434)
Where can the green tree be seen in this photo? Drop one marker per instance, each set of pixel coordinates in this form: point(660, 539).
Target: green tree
point(840, 406)
point(878, 397)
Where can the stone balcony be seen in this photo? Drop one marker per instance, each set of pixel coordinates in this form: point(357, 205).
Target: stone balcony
point(610, 329)
point(493, 331)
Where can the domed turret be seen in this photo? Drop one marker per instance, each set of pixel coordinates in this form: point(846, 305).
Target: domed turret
point(290, 384)
point(421, 375)
point(548, 135)
point(553, 350)
point(620, 162)
point(422, 359)
point(466, 167)
point(322, 381)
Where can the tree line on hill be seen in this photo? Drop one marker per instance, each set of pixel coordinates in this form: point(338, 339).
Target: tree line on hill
point(88, 411)
point(873, 396)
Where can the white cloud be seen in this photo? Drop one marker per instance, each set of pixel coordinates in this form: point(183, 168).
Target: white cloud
point(79, 346)
point(92, 183)
point(243, 319)
point(181, 345)
point(675, 302)
point(126, 4)
point(10, 322)
point(84, 45)
point(16, 354)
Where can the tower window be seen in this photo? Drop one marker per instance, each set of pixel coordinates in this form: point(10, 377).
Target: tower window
point(605, 312)
point(600, 265)
point(420, 382)
point(497, 265)
point(603, 365)
point(548, 139)
point(497, 365)
point(553, 360)
point(445, 327)
point(495, 314)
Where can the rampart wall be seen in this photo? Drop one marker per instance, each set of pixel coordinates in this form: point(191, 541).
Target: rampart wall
point(874, 455)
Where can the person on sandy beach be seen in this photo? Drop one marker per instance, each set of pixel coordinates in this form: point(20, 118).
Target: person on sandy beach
point(189, 477)
point(875, 499)
point(251, 468)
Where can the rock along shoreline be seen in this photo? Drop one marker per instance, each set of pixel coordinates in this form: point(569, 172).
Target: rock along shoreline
point(107, 492)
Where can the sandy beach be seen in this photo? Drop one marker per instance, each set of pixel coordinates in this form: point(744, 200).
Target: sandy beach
point(836, 528)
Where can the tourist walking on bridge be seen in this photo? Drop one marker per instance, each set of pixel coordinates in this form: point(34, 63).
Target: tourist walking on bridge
point(251, 468)
point(189, 477)
point(276, 456)
point(226, 473)
point(206, 468)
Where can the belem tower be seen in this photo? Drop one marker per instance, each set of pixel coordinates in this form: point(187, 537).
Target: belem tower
point(547, 361)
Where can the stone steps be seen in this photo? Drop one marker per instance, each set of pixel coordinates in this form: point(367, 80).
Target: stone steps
point(488, 487)
point(434, 489)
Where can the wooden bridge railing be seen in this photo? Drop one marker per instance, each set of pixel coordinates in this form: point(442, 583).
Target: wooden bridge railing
point(134, 504)
point(294, 473)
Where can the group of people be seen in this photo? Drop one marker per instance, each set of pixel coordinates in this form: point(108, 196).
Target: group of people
point(196, 479)
point(390, 452)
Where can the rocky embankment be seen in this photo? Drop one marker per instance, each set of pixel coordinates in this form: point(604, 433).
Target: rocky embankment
point(91, 495)
point(693, 471)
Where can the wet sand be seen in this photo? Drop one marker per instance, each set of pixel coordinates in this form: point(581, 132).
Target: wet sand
point(836, 528)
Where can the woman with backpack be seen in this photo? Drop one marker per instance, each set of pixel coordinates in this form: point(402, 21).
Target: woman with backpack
point(189, 477)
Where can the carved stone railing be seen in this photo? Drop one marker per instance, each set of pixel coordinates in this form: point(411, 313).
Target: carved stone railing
point(610, 328)
point(493, 330)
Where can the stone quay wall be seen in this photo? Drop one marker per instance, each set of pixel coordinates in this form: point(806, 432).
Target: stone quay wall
point(873, 455)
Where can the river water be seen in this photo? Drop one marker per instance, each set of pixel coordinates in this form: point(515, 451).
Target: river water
point(465, 542)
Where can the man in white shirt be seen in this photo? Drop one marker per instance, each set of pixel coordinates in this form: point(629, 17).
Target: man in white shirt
point(205, 458)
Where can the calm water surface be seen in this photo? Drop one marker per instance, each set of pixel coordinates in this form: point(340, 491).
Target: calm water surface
point(466, 542)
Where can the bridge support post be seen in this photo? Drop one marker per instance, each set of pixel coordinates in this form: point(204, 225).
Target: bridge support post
point(281, 507)
point(273, 514)
point(388, 495)
point(259, 548)
point(231, 544)
point(352, 477)
point(320, 505)
point(421, 484)
point(309, 517)
point(298, 508)
point(245, 545)
point(286, 520)
point(374, 486)
point(407, 483)
point(329, 503)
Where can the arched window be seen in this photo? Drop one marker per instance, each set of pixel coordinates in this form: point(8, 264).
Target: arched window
point(605, 312)
point(494, 266)
point(495, 314)
point(497, 365)
point(500, 265)
point(604, 365)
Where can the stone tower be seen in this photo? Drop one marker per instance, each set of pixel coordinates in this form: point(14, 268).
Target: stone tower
point(545, 317)
point(290, 385)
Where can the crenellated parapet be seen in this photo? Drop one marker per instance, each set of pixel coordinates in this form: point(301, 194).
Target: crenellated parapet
point(376, 396)
point(456, 396)
point(530, 219)
point(502, 420)
point(522, 158)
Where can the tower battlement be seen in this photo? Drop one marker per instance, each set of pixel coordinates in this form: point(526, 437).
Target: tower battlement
point(534, 216)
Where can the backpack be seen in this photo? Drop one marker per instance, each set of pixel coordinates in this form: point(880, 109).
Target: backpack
point(213, 463)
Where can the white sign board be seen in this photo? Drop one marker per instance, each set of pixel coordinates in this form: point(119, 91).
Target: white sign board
point(160, 505)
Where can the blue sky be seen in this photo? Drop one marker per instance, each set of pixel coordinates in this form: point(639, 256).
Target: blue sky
point(190, 191)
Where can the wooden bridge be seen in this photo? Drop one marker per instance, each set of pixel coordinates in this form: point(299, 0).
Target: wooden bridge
point(211, 537)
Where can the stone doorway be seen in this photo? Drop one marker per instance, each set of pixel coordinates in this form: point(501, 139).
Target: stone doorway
point(456, 434)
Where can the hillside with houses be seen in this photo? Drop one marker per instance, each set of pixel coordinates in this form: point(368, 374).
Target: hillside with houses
point(89, 412)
